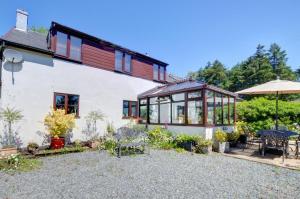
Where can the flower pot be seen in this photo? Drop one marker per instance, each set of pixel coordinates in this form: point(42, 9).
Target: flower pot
point(206, 149)
point(5, 152)
point(57, 143)
point(187, 146)
point(223, 147)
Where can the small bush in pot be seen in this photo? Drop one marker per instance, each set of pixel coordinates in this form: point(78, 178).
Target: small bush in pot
point(202, 145)
point(32, 148)
point(58, 124)
point(232, 138)
point(221, 138)
point(185, 141)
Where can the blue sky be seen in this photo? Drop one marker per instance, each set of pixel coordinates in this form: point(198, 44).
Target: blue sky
point(185, 34)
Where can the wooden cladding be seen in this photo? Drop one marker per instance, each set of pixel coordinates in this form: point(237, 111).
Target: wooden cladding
point(99, 55)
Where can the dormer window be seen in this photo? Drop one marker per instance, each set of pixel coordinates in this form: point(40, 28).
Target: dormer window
point(159, 73)
point(68, 46)
point(122, 62)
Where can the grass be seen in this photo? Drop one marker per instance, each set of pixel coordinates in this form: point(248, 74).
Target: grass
point(23, 164)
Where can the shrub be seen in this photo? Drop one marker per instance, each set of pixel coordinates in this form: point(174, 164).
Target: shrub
point(161, 138)
point(220, 136)
point(32, 147)
point(91, 130)
point(233, 136)
point(10, 116)
point(183, 138)
point(201, 144)
point(110, 145)
point(110, 129)
point(260, 113)
point(58, 123)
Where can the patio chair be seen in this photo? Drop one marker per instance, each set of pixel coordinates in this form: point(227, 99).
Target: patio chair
point(250, 138)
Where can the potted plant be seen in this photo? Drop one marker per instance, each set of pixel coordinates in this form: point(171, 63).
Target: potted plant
point(232, 138)
point(221, 138)
point(9, 140)
point(32, 148)
point(58, 125)
point(203, 145)
point(91, 131)
point(185, 141)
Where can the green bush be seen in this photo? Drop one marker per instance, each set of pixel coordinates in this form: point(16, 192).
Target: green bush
point(233, 136)
point(183, 138)
point(201, 143)
point(110, 145)
point(260, 113)
point(161, 138)
point(220, 136)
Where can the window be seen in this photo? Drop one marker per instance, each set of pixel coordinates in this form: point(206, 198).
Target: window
point(129, 109)
point(164, 110)
point(162, 73)
point(120, 65)
point(118, 60)
point(68, 102)
point(178, 108)
point(75, 48)
point(127, 67)
point(159, 72)
point(225, 109)
point(61, 43)
point(155, 71)
point(153, 110)
point(71, 49)
point(231, 110)
point(143, 110)
point(219, 111)
point(195, 110)
point(210, 100)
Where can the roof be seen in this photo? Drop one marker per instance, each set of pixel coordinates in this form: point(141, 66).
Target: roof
point(93, 38)
point(27, 39)
point(185, 85)
point(172, 78)
point(273, 87)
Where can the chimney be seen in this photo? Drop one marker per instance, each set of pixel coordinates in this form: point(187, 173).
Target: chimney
point(22, 20)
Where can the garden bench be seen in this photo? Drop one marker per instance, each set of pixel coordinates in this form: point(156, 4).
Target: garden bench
point(130, 138)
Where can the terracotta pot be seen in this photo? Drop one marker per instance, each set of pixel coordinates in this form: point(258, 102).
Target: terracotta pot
point(57, 143)
point(5, 152)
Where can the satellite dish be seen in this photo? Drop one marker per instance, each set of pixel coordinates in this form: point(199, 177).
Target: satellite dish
point(12, 56)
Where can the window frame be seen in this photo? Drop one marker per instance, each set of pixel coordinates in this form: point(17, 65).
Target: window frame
point(159, 68)
point(68, 47)
point(186, 99)
point(130, 109)
point(123, 62)
point(66, 102)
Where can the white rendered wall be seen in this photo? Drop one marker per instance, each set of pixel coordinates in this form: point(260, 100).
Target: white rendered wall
point(206, 132)
point(39, 76)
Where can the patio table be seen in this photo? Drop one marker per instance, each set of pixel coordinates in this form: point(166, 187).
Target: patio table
point(278, 139)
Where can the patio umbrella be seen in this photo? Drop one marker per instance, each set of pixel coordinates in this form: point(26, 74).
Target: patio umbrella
point(273, 87)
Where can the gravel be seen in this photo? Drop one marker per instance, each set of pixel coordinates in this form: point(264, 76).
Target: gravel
point(162, 174)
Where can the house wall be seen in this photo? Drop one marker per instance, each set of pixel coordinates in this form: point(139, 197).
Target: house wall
point(206, 132)
point(39, 76)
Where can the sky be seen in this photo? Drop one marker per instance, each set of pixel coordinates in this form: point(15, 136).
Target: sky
point(186, 34)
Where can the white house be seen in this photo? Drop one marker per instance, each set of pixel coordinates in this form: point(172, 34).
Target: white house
point(80, 73)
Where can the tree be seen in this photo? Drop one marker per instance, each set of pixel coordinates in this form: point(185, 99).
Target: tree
point(213, 73)
point(278, 60)
point(40, 29)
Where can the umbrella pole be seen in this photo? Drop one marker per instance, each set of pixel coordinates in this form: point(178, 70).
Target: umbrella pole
point(276, 125)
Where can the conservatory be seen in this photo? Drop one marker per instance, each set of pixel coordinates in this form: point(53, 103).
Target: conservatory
point(188, 106)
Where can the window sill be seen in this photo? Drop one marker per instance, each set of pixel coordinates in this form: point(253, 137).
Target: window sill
point(67, 58)
point(129, 117)
point(123, 72)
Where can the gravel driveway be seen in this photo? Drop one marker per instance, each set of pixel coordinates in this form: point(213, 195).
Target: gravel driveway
point(163, 174)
